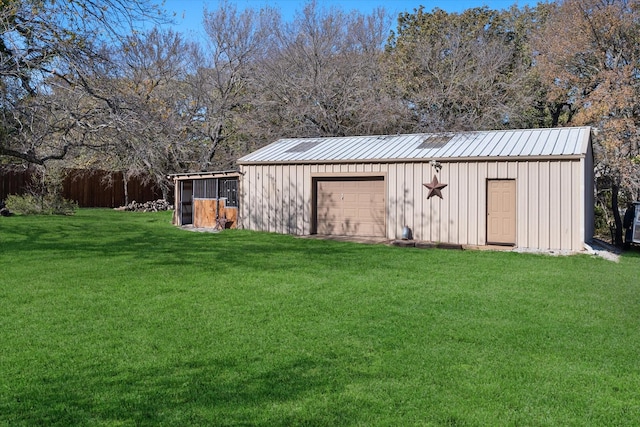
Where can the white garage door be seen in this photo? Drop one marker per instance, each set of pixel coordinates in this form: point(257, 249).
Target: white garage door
point(354, 207)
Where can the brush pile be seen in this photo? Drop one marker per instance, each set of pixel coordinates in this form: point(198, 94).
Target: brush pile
point(152, 206)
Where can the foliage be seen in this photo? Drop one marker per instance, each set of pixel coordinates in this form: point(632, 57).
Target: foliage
point(323, 76)
point(151, 72)
point(237, 41)
point(602, 223)
point(50, 55)
point(113, 318)
point(588, 55)
point(465, 71)
point(45, 204)
point(43, 194)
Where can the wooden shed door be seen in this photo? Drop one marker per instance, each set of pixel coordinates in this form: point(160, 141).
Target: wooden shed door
point(501, 212)
point(354, 207)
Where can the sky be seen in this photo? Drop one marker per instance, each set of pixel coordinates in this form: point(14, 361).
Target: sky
point(188, 13)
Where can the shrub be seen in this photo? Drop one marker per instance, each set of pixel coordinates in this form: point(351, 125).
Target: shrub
point(47, 204)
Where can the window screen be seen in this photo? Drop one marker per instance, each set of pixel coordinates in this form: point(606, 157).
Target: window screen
point(213, 188)
point(204, 188)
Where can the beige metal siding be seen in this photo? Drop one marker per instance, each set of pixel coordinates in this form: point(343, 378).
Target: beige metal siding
point(554, 197)
point(541, 221)
point(550, 208)
point(278, 198)
point(588, 203)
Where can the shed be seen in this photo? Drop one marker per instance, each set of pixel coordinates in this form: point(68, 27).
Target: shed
point(206, 199)
point(528, 188)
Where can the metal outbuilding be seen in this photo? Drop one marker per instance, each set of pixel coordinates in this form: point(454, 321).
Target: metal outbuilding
point(525, 188)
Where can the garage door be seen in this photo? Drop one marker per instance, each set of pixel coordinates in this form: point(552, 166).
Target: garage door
point(354, 207)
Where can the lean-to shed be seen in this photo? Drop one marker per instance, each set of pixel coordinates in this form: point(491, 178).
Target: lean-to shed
point(206, 199)
point(526, 188)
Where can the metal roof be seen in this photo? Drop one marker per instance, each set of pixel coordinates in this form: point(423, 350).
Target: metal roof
point(203, 175)
point(522, 143)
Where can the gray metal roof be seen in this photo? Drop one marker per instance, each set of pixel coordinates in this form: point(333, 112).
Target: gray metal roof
point(203, 175)
point(523, 143)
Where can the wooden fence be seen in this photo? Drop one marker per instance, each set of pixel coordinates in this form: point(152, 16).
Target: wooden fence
point(13, 182)
point(91, 190)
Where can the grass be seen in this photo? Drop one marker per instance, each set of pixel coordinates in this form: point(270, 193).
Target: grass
point(120, 319)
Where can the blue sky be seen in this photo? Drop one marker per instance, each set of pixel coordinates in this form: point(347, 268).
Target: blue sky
point(188, 13)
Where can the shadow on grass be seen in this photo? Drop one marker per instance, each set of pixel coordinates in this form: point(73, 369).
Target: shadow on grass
point(153, 241)
point(632, 252)
point(213, 392)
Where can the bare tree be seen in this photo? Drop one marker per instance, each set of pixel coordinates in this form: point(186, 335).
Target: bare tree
point(153, 89)
point(463, 71)
point(219, 88)
point(133, 119)
point(323, 77)
point(48, 48)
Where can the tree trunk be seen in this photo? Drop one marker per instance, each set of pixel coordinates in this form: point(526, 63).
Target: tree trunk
point(125, 187)
point(615, 189)
point(556, 109)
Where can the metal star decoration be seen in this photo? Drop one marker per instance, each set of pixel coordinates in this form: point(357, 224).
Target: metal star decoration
point(434, 187)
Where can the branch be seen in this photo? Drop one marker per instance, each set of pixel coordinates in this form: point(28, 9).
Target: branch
point(29, 157)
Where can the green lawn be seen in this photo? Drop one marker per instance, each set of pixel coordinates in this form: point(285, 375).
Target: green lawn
point(119, 318)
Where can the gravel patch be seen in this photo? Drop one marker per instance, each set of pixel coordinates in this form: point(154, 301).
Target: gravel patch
point(603, 249)
point(596, 248)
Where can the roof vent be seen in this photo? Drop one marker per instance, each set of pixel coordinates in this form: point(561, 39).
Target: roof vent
point(303, 146)
point(434, 141)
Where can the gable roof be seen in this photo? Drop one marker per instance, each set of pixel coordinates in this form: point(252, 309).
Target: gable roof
point(570, 142)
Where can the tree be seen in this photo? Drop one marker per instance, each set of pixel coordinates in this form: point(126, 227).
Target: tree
point(322, 77)
point(153, 71)
point(465, 71)
point(49, 51)
point(236, 41)
point(589, 55)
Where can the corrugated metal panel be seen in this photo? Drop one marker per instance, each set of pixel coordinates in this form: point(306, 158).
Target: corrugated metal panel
point(485, 144)
point(520, 143)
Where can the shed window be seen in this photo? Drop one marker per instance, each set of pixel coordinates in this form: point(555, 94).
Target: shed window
point(214, 188)
point(229, 189)
point(204, 188)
